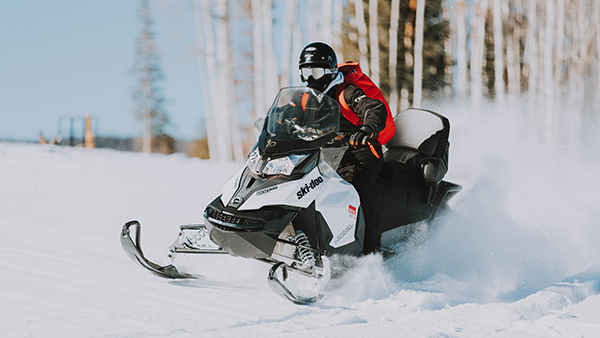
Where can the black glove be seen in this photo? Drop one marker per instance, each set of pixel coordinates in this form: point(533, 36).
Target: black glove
point(367, 134)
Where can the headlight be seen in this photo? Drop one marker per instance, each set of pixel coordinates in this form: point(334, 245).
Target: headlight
point(254, 161)
point(278, 166)
point(283, 165)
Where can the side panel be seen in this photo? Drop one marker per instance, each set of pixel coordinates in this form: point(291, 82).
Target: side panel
point(231, 186)
point(295, 193)
point(339, 204)
point(336, 200)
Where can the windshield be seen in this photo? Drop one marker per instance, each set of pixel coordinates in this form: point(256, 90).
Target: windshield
point(302, 113)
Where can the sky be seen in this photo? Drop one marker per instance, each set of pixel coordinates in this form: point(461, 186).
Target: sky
point(65, 58)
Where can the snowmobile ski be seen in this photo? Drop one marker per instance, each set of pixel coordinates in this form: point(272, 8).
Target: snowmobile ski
point(281, 289)
point(134, 251)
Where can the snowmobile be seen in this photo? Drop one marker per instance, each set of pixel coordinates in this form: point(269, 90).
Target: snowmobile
point(288, 206)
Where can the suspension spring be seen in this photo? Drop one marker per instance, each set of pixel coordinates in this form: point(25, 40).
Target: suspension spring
point(305, 255)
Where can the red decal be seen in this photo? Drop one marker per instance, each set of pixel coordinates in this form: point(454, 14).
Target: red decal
point(352, 211)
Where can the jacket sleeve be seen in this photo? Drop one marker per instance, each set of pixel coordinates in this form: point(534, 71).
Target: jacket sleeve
point(368, 110)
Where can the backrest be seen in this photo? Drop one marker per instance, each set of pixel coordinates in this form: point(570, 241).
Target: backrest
point(420, 130)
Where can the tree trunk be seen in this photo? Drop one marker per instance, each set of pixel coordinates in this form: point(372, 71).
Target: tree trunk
point(418, 77)
point(147, 146)
point(225, 72)
point(257, 50)
point(374, 41)
point(513, 55)
point(326, 23)
point(207, 91)
point(270, 70)
point(548, 66)
point(286, 43)
point(313, 30)
point(296, 48)
point(221, 121)
point(461, 53)
point(560, 37)
point(362, 35)
point(477, 49)
point(498, 54)
point(531, 58)
point(393, 57)
point(338, 14)
point(448, 50)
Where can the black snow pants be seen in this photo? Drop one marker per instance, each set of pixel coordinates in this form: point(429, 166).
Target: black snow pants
point(361, 168)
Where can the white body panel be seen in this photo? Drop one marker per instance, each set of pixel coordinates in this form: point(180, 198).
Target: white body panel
point(335, 199)
point(231, 186)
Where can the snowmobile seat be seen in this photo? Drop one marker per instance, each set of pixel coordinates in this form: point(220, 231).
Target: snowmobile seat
point(420, 144)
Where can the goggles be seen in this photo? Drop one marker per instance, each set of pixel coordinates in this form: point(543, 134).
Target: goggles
point(316, 72)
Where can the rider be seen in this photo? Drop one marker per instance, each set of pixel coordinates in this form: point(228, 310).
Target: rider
point(363, 160)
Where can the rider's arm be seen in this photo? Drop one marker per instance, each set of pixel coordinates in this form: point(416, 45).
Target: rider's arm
point(368, 110)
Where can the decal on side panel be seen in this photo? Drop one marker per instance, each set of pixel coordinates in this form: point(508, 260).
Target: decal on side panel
point(309, 186)
point(265, 191)
point(352, 211)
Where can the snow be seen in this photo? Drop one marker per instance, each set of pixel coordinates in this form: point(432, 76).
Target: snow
point(517, 257)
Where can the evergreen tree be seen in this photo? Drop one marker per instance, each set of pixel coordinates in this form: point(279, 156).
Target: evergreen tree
point(147, 93)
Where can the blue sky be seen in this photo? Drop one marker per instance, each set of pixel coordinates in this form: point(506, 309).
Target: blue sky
point(69, 57)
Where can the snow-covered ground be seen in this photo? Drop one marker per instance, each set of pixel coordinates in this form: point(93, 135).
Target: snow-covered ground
point(518, 256)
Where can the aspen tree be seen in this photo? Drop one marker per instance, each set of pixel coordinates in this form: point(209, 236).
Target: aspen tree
point(461, 53)
point(394, 22)
point(498, 53)
point(374, 41)
point(208, 90)
point(257, 50)
point(477, 49)
point(418, 77)
point(362, 36)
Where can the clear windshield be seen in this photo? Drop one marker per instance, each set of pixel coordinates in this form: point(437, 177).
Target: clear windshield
point(301, 113)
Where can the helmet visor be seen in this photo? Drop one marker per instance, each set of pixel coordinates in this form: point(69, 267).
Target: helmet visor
point(316, 72)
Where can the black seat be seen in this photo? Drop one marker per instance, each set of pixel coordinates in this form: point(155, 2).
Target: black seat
point(420, 143)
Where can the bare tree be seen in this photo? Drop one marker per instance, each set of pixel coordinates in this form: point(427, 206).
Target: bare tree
point(224, 67)
point(374, 41)
point(257, 50)
point(548, 68)
point(498, 53)
point(477, 49)
point(270, 69)
point(531, 56)
point(393, 56)
point(560, 42)
point(418, 77)
point(461, 53)
point(513, 51)
point(208, 91)
point(286, 42)
point(313, 29)
point(362, 35)
point(338, 13)
point(326, 22)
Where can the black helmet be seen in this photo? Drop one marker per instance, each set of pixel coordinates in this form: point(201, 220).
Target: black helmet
point(318, 55)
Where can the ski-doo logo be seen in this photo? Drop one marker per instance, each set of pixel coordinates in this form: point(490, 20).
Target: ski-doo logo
point(309, 186)
point(264, 191)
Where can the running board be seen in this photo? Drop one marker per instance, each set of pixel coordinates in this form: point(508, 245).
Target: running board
point(134, 251)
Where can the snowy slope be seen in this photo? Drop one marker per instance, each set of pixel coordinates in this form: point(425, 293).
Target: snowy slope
point(518, 257)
